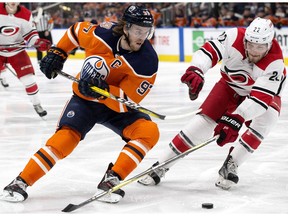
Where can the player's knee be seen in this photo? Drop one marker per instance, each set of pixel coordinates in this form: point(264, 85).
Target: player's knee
point(151, 133)
point(199, 129)
point(63, 142)
point(145, 131)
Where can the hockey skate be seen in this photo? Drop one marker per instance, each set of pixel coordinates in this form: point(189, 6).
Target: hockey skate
point(15, 191)
point(40, 111)
point(154, 177)
point(110, 180)
point(227, 174)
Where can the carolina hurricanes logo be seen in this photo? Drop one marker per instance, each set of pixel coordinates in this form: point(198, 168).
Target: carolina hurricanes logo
point(240, 77)
point(9, 30)
point(94, 67)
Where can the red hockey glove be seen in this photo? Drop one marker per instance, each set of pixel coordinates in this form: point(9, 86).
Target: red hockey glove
point(228, 128)
point(42, 44)
point(194, 78)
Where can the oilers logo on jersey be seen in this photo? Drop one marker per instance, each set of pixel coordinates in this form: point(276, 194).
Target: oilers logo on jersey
point(94, 67)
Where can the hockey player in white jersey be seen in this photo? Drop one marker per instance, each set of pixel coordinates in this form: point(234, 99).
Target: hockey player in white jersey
point(249, 92)
point(16, 31)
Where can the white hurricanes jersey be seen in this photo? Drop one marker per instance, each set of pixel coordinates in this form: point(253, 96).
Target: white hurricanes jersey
point(16, 29)
point(261, 82)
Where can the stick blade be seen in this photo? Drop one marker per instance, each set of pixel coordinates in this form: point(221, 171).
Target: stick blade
point(70, 208)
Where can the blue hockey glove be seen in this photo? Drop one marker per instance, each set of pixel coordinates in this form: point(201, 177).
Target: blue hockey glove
point(52, 62)
point(84, 87)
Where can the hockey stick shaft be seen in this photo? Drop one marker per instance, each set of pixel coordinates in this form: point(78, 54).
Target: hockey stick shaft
point(119, 99)
point(17, 46)
point(72, 207)
point(47, 7)
point(12, 71)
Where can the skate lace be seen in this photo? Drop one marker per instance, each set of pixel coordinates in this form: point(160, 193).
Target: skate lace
point(38, 108)
point(161, 172)
point(232, 166)
point(111, 180)
point(20, 184)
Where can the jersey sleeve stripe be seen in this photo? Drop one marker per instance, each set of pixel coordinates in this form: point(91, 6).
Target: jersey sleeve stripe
point(261, 103)
point(206, 53)
point(281, 85)
point(72, 36)
point(211, 48)
point(76, 31)
point(217, 50)
point(121, 106)
point(263, 90)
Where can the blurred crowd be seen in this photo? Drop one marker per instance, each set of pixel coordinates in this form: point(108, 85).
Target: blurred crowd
point(191, 14)
point(229, 14)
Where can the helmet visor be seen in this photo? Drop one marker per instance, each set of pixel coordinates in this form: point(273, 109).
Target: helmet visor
point(256, 48)
point(140, 31)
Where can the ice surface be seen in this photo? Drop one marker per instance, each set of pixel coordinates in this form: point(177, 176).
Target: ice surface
point(262, 189)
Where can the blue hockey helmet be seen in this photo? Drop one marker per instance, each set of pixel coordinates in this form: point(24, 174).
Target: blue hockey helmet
point(138, 15)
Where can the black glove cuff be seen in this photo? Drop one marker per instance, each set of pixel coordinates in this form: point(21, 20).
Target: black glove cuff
point(59, 52)
point(235, 121)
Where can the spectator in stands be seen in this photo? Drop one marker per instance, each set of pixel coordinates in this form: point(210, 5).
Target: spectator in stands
point(247, 17)
point(180, 18)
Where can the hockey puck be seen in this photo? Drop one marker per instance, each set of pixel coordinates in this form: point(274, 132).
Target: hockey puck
point(207, 205)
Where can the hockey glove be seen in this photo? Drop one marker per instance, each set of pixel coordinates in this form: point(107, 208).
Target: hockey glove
point(85, 88)
point(194, 78)
point(228, 128)
point(53, 62)
point(42, 44)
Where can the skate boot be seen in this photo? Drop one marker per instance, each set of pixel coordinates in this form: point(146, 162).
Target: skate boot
point(227, 174)
point(154, 177)
point(40, 111)
point(15, 191)
point(110, 180)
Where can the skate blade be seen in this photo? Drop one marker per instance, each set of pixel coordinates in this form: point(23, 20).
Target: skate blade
point(15, 197)
point(108, 198)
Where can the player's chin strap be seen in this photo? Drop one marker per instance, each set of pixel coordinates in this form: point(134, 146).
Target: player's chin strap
point(72, 207)
point(128, 103)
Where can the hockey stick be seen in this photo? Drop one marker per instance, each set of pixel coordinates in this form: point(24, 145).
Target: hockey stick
point(47, 7)
point(12, 71)
point(72, 207)
point(130, 103)
point(17, 46)
point(39, 14)
point(124, 101)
